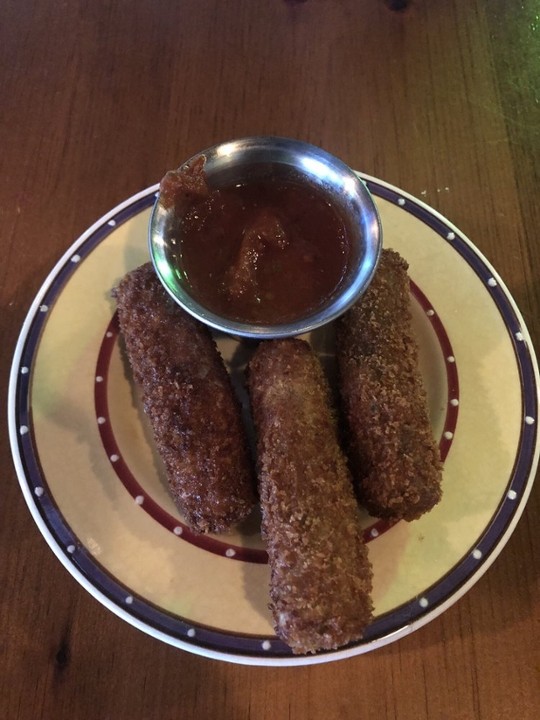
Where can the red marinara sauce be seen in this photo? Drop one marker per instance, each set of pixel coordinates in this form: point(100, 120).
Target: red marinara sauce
point(266, 252)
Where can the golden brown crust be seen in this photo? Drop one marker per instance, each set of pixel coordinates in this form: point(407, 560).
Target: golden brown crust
point(190, 402)
point(320, 573)
point(395, 458)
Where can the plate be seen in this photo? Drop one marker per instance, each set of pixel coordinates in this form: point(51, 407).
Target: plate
point(85, 462)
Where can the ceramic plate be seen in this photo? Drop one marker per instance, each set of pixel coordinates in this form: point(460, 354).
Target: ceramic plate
point(89, 474)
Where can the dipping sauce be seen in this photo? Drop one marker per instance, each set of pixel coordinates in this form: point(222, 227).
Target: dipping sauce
point(266, 252)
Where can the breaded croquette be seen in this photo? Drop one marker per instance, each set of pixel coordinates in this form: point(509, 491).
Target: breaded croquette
point(320, 573)
point(189, 399)
point(394, 456)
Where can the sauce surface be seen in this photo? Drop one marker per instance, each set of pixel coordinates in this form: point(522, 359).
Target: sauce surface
point(265, 252)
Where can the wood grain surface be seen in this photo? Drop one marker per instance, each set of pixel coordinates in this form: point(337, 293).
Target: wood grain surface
point(97, 99)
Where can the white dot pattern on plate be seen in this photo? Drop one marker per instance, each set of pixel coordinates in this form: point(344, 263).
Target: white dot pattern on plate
point(529, 420)
point(430, 312)
point(43, 308)
point(454, 402)
point(229, 552)
point(448, 435)
point(24, 370)
point(451, 236)
point(191, 632)
point(178, 530)
point(374, 532)
point(23, 430)
point(139, 499)
point(99, 378)
point(101, 421)
point(114, 458)
point(38, 492)
point(401, 202)
point(108, 334)
point(76, 258)
point(423, 602)
point(512, 495)
point(266, 645)
point(519, 336)
point(477, 554)
point(492, 282)
point(111, 223)
point(451, 359)
point(129, 600)
point(70, 549)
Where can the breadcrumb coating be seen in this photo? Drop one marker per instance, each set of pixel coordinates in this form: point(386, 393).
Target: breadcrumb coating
point(190, 402)
point(394, 456)
point(321, 576)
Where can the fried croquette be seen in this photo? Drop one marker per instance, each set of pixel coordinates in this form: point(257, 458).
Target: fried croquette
point(395, 459)
point(321, 576)
point(190, 402)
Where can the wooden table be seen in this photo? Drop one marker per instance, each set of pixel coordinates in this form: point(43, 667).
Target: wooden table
point(96, 101)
